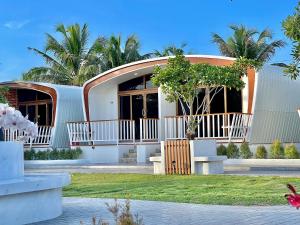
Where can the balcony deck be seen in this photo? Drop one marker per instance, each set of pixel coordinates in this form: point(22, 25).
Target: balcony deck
point(223, 127)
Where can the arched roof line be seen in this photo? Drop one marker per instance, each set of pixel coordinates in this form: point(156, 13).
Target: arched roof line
point(37, 87)
point(135, 66)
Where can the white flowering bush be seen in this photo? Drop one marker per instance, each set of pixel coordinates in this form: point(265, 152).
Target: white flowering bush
point(12, 119)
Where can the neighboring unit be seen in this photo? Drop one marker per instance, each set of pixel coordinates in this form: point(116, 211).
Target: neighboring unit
point(49, 105)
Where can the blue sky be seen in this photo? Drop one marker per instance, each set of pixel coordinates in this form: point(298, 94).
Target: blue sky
point(157, 23)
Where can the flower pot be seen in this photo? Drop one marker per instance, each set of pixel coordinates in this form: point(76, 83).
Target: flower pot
point(11, 160)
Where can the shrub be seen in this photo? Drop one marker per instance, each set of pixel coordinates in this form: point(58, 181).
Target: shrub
point(245, 151)
point(122, 215)
point(41, 155)
point(52, 154)
point(29, 154)
point(277, 151)
point(77, 152)
point(290, 152)
point(221, 150)
point(261, 152)
point(232, 151)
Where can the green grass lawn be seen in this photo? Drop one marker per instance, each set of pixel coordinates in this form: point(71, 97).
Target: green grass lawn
point(217, 189)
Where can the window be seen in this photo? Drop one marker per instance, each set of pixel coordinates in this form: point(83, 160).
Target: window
point(234, 100)
point(37, 105)
point(218, 104)
point(139, 83)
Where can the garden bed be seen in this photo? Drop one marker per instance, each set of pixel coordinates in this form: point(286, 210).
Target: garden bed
point(274, 164)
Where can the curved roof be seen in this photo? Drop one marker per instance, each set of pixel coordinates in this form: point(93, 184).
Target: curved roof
point(208, 57)
point(139, 65)
point(54, 90)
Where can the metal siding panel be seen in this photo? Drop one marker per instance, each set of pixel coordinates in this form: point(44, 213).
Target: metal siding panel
point(275, 114)
point(69, 109)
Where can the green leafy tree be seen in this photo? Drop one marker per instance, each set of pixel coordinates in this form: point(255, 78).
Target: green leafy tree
point(291, 26)
point(68, 61)
point(248, 43)
point(3, 91)
point(181, 81)
point(112, 52)
point(170, 50)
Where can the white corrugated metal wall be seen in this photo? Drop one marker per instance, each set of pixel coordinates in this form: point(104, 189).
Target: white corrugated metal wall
point(69, 108)
point(275, 107)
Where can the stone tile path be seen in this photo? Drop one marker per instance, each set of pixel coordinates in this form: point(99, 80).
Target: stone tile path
point(158, 213)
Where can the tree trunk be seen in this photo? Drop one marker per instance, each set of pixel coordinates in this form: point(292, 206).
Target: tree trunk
point(190, 134)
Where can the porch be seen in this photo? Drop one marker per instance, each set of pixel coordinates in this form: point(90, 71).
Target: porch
point(223, 127)
point(43, 140)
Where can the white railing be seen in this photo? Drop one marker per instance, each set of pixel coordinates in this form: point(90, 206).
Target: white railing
point(149, 130)
point(223, 127)
point(101, 131)
point(44, 136)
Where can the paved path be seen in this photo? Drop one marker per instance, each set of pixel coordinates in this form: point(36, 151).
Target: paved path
point(95, 168)
point(148, 169)
point(157, 213)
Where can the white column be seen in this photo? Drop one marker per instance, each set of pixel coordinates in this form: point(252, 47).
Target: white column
point(165, 108)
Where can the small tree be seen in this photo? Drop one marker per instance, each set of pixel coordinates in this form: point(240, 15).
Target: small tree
point(277, 150)
point(245, 151)
point(261, 152)
point(291, 27)
point(181, 81)
point(3, 91)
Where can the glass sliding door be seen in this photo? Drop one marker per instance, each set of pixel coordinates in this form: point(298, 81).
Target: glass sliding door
point(42, 117)
point(152, 105)
point(138, 106)
point(137, 112)
point(138, 99)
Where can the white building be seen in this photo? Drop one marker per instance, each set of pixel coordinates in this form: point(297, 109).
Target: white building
point(49, 105)
point(123, 111)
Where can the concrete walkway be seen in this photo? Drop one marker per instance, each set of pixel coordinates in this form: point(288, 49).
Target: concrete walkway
point(148, 169)
point(156, 213)
point(93, 168)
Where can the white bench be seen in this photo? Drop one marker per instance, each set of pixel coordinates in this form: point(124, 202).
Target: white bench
point(207, 165)
point(199, 165)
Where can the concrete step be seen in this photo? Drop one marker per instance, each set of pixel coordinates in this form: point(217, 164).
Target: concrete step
point(155, 154)
point(128, 160)
point(132, 151)
point(132, 155)
point(129, 155)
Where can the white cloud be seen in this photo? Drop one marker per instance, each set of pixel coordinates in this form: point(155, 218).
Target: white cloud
point(15, 25)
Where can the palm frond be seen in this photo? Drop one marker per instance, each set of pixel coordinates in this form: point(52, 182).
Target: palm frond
point(223, 46)
point(269, 50)
point(49, 60)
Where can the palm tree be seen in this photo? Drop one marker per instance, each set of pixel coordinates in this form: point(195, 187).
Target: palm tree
point(112, 53)
point(248, 43)
point(170, 50)
point(68, 61)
